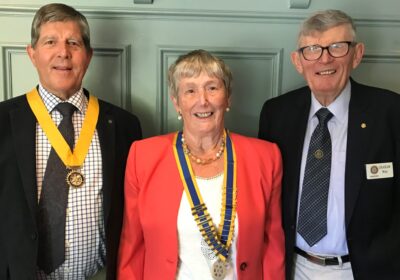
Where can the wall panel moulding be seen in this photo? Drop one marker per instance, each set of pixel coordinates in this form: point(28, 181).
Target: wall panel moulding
point(299, 4)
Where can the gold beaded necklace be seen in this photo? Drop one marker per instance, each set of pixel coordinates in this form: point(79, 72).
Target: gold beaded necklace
point(201, 161)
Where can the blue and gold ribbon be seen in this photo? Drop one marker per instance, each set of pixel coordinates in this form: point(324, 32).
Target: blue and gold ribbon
point(221, 240)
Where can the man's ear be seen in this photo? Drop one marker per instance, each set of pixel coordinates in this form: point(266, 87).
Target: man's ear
point(89, 57)
point(358, 54)
point(296, 60)
point(90, 54)
point(31, 53)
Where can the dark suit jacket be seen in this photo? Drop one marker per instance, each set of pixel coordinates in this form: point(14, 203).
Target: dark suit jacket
point(116, 128)
point(372, 207)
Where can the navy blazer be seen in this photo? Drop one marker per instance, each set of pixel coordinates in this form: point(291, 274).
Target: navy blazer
point(372, 207)
point(116, 128)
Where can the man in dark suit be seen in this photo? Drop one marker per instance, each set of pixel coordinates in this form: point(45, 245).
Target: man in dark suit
point(355, 234)
point(61, 52)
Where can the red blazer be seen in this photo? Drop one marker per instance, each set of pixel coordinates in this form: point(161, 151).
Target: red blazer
point(153, 191)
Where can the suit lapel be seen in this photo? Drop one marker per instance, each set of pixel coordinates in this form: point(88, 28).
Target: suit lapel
point(23, 124)
point(297, 120)
point(106, 131)
point(358, 137)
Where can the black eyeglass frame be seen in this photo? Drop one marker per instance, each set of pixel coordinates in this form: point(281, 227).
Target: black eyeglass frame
point(349, 44)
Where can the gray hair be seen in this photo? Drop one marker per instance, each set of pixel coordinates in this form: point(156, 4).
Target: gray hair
point(192, 64)
point(56, 12)
point(324, 20)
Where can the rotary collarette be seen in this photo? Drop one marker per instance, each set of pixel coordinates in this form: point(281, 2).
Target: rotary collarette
point(221, 240)
point(72, 159)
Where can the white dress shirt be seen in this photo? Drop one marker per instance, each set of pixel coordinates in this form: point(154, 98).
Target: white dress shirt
point(334, 243)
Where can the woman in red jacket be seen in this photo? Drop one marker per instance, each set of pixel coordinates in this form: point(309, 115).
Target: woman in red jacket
point(202, 203)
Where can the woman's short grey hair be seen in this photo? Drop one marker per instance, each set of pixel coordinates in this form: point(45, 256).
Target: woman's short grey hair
point(324, 20)
point(193, 64)
point(56, 12)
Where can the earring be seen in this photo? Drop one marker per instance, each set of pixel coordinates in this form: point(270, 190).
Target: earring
point(179, 116)
point(227, 109)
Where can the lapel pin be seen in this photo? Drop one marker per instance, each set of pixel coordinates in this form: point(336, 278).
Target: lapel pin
point(363, 125)
point(318, 154)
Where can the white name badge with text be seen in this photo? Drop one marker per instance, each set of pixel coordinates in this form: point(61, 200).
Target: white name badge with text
point(379, 170)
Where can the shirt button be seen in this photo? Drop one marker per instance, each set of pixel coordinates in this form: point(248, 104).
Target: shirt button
point(243, 266)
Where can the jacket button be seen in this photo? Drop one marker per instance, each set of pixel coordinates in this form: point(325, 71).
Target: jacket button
point(243, 266)
point(33, 236)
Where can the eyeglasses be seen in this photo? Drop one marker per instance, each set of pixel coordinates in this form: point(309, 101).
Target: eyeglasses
point(338, 49)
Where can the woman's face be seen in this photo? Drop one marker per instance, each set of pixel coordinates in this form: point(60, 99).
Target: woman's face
point(202, 102)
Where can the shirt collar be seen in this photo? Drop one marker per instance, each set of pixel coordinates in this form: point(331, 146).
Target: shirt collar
point(339, 107)
point(50, 100)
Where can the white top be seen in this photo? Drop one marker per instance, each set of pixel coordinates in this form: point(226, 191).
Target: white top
point(334, 243)
point(195, 257)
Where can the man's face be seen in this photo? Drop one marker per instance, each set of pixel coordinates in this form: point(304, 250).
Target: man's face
point(60, 57)
point(327, 76)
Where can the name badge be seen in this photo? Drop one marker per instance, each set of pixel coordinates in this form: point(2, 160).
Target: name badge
point(379, 170)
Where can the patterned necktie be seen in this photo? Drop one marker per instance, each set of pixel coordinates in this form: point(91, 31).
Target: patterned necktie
point(54, 199)
point(314, 196)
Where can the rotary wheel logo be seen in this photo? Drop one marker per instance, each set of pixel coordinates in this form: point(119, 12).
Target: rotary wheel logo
point(374, 169)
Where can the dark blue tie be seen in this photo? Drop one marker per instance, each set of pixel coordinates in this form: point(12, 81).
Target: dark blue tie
point(54, 199)
point(312, 225)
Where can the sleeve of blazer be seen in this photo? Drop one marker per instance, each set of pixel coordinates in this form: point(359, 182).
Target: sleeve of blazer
point(274, 247)
point(269, 117)
point(131, 250)
point(263, 129)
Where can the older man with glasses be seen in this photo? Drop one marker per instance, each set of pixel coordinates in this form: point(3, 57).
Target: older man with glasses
point(340, 143)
